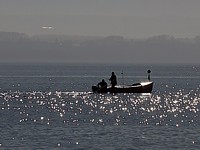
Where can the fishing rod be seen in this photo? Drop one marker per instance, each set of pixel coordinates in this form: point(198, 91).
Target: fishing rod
point(122, 73)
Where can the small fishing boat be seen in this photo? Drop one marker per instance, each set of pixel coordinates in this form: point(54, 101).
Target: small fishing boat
point(142, 87)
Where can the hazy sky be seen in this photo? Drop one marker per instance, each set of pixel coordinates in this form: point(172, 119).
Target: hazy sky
point(128, 18)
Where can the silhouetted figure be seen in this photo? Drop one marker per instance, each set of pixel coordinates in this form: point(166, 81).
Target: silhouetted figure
point(113, 80)
point(102, 86)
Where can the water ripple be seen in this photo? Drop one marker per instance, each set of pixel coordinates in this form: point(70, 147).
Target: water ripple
point(75, 108)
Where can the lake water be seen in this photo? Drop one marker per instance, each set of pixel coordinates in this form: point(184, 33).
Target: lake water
point(51, 106)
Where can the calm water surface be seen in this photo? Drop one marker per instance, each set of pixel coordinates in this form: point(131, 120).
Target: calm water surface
point(51, 106)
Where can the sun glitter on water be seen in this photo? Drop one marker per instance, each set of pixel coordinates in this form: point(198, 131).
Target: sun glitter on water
point(76, 108)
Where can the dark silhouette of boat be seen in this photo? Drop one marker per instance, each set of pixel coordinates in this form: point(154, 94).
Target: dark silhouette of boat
point(143, 87)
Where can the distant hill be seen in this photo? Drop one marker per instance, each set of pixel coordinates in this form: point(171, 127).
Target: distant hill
point(19, 47)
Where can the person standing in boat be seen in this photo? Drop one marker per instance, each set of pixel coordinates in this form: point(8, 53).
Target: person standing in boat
point(113, 80)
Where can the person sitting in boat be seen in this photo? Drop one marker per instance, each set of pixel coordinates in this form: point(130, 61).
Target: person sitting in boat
point(113, 80)
point(102, 85)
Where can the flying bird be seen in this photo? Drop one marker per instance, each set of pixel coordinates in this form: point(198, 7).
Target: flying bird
point(47, 27)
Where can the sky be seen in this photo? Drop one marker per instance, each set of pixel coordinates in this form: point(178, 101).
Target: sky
point(127, 18)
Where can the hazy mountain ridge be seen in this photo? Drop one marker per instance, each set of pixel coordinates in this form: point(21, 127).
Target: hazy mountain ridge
point(19, 47)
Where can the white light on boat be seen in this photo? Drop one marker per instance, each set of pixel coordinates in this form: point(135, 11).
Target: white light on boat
point(145, 83)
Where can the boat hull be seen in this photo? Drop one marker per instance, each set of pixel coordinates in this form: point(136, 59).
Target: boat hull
point(143, 87)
